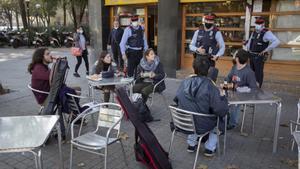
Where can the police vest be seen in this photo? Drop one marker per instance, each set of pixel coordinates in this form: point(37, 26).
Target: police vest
point(257, 43)
point(136, 40)
point(207, 40)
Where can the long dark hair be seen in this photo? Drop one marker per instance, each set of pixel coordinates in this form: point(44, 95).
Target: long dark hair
point(37, 57)
point(100, 64)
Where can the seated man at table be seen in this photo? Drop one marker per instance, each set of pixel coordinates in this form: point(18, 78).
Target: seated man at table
point(198, 93)
point(40, 72)
point(241, 75)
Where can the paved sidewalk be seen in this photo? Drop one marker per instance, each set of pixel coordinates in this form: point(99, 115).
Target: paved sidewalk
point(253, 151)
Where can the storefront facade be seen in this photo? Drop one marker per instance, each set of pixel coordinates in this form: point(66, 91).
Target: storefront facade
point(283, 18)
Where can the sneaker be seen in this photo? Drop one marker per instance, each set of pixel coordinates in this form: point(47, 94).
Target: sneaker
point(191, 149)
point(209, 153)
point(76, 74)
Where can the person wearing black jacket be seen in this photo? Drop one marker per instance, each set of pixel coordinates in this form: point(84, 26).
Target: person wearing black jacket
point(198, 93)
point(149, 72)
point(104, 67)
point(114, 40)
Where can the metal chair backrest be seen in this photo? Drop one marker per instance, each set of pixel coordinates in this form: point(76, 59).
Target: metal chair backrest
point(72, 105)
point(36, 90)
point(184, 119)
point(110, 117)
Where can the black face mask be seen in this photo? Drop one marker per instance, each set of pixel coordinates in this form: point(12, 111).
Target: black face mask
point(208, 25)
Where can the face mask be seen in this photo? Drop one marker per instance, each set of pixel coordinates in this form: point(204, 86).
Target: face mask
point(81, 31)
point(134, 23)
point(208, 25)
point(116, 27)
point(258, 27)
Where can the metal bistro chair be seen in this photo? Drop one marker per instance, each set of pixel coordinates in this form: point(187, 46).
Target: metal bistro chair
point(38, 91)
point(109, 123)
point(294, 128)
point(184, 123)
point(295, 132)
point(154, 92)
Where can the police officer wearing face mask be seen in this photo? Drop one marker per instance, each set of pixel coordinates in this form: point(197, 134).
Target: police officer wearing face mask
point(260, 43)
point(114, 40)
point(208, 42)
point(132, 45)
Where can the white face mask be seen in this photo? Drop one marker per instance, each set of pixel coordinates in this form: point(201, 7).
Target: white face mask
point(134, 23)
point(258, 27)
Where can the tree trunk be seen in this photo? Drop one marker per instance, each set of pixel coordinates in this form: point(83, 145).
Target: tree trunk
point(17, 19)
point(82, 11)
point(65, 12)
point(23, 13)
point(74, 14)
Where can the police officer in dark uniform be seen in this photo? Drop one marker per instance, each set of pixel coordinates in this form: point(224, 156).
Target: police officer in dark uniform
point(208, 42)
point(114, 40)
point(133, 44)
point(260, 43)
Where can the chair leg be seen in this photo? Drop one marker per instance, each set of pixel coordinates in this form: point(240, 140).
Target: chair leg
point(243, 120)
point(298, 157)
point(171, 142)
point(197, 153)
point(39, 155)
point(253, 118)
point(36, 161)
point(71, 156)
point(293, 144)
point(218, 143)
point(225, 135)
point(105, 157)
point(123, 151)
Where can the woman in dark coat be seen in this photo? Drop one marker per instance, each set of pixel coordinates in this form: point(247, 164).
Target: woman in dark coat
point(149, 72)
point(105, 68)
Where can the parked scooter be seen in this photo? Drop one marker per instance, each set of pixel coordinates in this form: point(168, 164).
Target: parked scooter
point(54, 39)
point(4, 38)
point(19, 39)
point(68, 39)
point(40, 39)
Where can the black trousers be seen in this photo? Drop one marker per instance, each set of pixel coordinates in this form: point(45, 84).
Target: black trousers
point(117, 56)
point(257, 63)
point(133, 57)
point(79, 60)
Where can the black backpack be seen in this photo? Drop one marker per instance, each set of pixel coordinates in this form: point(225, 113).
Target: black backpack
point(147, 148)
point(143, 110)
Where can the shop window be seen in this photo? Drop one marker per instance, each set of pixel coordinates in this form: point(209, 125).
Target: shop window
point(230, 20)
point(123, 13)
point(227, 6)
point(283, 19)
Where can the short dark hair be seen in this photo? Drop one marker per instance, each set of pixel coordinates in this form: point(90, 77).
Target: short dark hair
point(201, 66)
point(242, 55)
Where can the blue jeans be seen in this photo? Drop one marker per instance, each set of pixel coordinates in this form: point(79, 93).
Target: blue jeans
point(234, 115)
point(210, 144)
